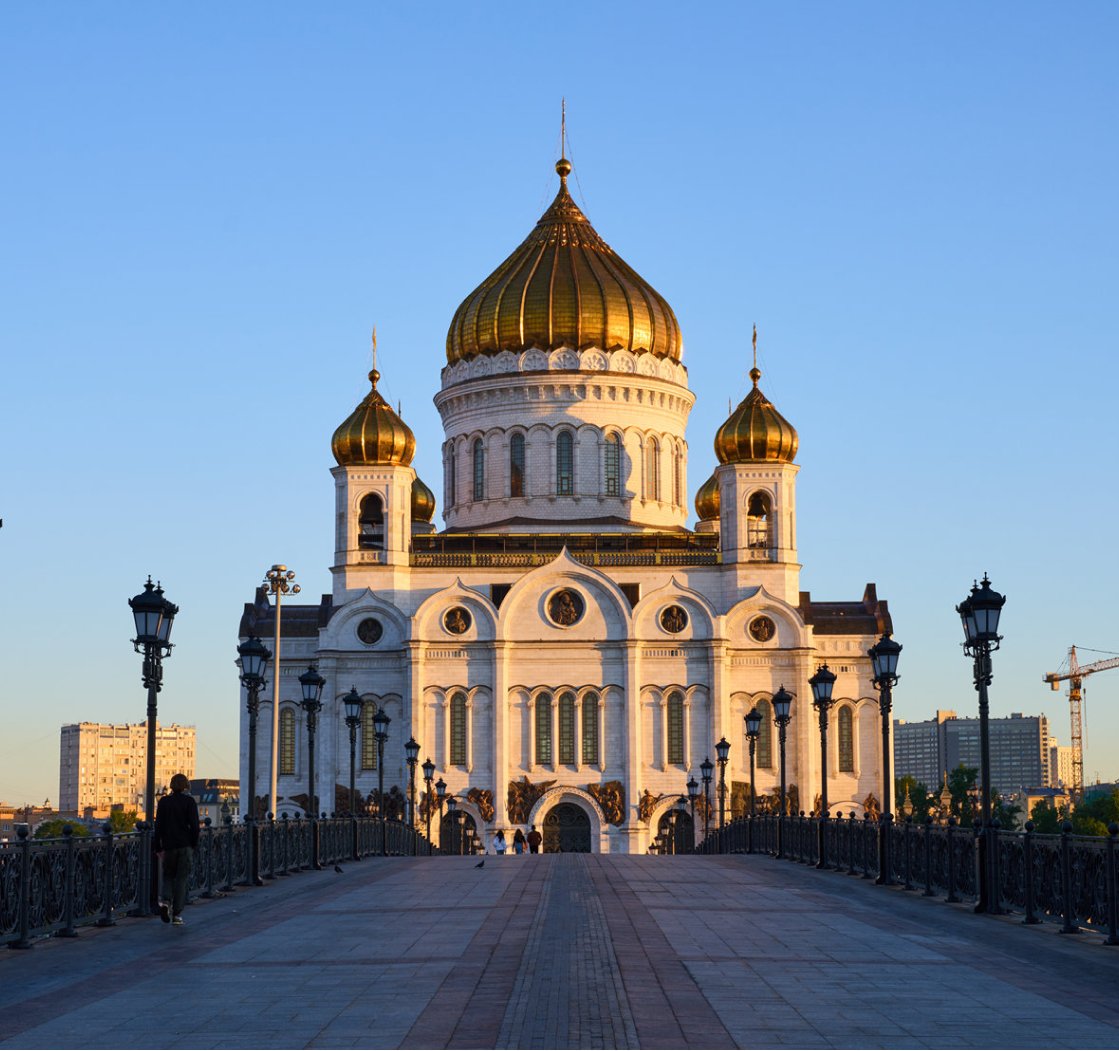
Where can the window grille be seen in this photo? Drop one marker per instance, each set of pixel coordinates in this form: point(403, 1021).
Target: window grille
point(517, 465)
point(567, 728)
point(544, 729)
point(458, 730)
point(676, 728)
point(287, 741)
point(479, 470)
point(613, 465)
point(846, 740)
point(590, 728)
point(564, 463)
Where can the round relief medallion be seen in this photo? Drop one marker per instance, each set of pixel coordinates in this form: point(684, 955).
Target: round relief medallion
point(566, 607)
point(370, 631)
point(674, 619)
point(456, 620)
point(762, 629)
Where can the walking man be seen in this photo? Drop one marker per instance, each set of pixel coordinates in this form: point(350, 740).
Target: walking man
point(534, 839)
point(176, 836)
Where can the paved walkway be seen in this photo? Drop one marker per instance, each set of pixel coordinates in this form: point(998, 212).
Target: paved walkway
point(566, 951)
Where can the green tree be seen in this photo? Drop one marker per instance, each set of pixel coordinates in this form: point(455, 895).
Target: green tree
point(961, 782)
point(1093, 817)
point(1005, 811)
point(1046, 819)
point(53, 829)
point(918, 796)
point(122, 821)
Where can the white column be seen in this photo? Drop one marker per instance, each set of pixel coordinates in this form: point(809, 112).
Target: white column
point(555, 727)
point(445, 718)
point(687, 732)
point(500, 743)
point(602, 733)
point(532, 733)
point(663, 703)
point(578, 754)
point(469, 735)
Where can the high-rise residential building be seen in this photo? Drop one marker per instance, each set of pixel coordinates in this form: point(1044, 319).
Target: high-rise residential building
point(1060, 764)
point(1020, 749)
point(102, 765)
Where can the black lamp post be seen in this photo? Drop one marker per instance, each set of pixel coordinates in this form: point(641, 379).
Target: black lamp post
point(254, 657)
point(693, 795)
point(353, 704)
point(429, 772)
point(722, 751)
point(441, 795)
point(381, 733)
point(822, 684)
point(154, 616)
point(979, 613)
point(311, 683)
point(705, 770)
point(782, 708)
point(678, 826)
point(884, 658)
point(452, 809)
point(412, 754)
point(753, 720)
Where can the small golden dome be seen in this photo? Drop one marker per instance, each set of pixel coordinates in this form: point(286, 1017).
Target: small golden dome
point(423, 502)
point(563, 287)
point(756, 432)
point(707, 500)
point(373, 433)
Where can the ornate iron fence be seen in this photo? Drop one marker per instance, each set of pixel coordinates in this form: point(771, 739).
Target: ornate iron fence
point(53, 886)
point(1071, 879)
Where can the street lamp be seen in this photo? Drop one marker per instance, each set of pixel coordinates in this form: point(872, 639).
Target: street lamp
point(822, 684)
point(693, 795)
point(353, 705)
point(705, 769)
point(381, 733)
point(678, 825)
point(311, 683)
point(412, 754)
point(452, 810)
point(979, 614)
point(441, 793)
point(753, 720)
point(429, 773)
point(154, 616)
point(278, 581)
point(254, 657)
point(884, 658)
point(782, 707)
point(722, 751)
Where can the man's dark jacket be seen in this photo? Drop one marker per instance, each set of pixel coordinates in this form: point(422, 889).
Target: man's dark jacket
point(176, 822)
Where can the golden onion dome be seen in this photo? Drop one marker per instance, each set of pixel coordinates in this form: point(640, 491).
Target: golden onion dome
point(563, 287)
point(373, 433)
point(756, 432)
point(423, 502)
point(707, 500)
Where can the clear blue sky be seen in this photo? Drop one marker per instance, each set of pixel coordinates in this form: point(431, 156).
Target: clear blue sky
point(205, 208)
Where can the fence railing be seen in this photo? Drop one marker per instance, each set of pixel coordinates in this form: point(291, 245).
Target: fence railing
point(54, 886)
point(1065, 877)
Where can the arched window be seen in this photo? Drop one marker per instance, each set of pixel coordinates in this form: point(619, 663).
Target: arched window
point(612, 467)
point(675, 728)
point(287, 741)
point(565, 466)
point(371, 523)
point(479, 470)
point(450, 474)
point(678, 476)
point(567, 728)
point(846, 728)
point(458, 729)
point(590, 728)
point(368, 736)
point(544, 729)
point(765, 736)
point(517, 465)
point(759, 534)
point(652, 470)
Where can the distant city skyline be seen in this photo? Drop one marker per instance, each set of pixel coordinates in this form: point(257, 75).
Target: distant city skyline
point(206, 217)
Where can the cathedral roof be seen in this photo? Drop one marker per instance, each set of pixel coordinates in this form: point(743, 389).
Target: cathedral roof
point(564, 287)
point(756, 432)
point(373, 433)
point(707, 500)
point(423, 502)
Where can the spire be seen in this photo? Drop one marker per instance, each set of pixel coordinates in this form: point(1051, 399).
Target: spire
point(563, 165)
point(755, 372)
point(374, 375)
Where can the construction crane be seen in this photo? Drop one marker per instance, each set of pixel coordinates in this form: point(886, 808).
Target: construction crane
point(1075, 675)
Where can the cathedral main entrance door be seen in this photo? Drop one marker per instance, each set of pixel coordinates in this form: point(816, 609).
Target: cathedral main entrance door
point(567, 830)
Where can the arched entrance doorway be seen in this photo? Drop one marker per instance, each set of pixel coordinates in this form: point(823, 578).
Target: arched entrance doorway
point(567, 830)
point(678, 832)
point(455, 832)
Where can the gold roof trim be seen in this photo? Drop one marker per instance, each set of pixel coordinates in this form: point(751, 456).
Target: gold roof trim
point(563, 286)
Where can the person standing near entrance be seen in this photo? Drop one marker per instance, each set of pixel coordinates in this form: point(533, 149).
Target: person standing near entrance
point(176, 836)
point(534, 840)
point(499, 843)
point(518, 842)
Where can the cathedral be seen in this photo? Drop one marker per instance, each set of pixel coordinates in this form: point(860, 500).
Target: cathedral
point(567, 651)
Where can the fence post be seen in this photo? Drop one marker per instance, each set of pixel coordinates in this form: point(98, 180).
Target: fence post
point(209, 828)
point(1112, 905)
point(228, 825)
point(107, 916)
point(143, 876)
point(952, 895)
point(271, 845)
point(866, 845)
point(908, 860)
point(994, 896)
point(284, 841)
point(1028, 866)
point(928, 856)
point(68, 930)
point(851, 870)
point(24, 940)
